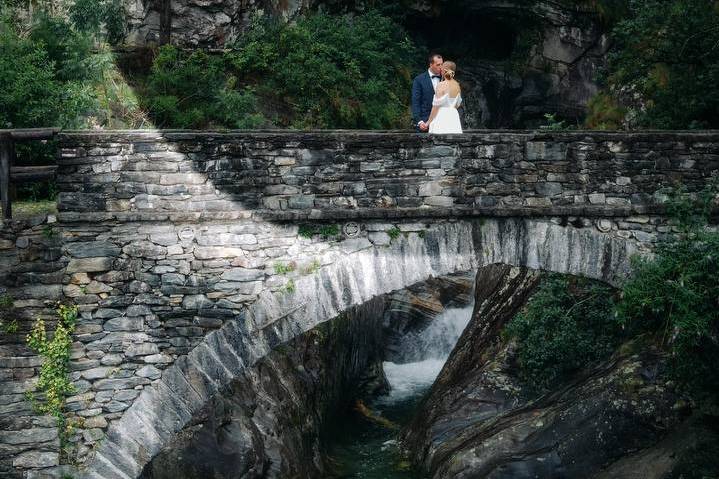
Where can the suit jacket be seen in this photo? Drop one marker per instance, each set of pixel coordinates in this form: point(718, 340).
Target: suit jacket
point(422, 95)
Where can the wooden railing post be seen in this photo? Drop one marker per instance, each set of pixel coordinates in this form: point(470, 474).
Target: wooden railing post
point(7, 154)
point(7, 158)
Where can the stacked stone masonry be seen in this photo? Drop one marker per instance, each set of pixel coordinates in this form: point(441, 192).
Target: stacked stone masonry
point(191, 254)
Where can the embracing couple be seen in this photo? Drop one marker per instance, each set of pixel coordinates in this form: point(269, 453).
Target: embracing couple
point(436, 95)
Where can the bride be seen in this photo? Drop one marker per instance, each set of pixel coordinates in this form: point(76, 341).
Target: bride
point(447, 98)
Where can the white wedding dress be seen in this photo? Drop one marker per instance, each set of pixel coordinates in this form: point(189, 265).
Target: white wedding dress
point(447, 119)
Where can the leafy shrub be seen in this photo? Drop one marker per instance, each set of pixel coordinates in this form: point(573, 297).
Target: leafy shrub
point(284, 268)
point(92, 15)
point(394, 233)
point(328, 71)
point(50, 72)
point(604, 113)
point(195, 90)
point(54, 381)
point(31, 93)
point(566, 325)
point(326, 231)
point(553, 123)
point(665, 54)
point(675, 294)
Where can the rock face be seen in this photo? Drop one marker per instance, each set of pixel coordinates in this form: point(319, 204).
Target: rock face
point(479, 421)
point(411, 310)
point(268, 424)
point(517, 59)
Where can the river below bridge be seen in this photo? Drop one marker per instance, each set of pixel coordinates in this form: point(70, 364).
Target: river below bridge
point(368, 448)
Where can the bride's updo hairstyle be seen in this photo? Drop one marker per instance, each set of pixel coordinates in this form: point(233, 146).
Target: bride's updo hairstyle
point(450, 68)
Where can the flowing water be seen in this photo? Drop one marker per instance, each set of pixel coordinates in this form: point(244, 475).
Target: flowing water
point(368, 449)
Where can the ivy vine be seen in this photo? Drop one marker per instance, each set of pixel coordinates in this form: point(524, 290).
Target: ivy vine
point(54, 382)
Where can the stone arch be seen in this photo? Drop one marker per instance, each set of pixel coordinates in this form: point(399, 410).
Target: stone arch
point(164, 408)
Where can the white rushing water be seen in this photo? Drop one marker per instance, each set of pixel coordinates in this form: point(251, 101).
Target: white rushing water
point(436, 343)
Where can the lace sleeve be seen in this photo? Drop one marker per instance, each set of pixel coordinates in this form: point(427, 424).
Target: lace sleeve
point(438, 101)
point(459, 100)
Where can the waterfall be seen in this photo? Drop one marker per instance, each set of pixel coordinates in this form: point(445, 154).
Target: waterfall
point(431, 347)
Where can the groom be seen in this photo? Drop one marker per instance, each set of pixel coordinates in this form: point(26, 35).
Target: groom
point(423, 88)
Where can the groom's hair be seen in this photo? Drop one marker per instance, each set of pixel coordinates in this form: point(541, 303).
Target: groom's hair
point(432, 56)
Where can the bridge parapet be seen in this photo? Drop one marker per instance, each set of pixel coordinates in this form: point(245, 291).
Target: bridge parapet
point(339, 174)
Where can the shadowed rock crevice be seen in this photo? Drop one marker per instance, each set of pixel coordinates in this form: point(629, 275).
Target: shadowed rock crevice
point(269, 422)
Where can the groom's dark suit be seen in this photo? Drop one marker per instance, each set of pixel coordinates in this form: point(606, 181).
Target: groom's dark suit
point(422, 94)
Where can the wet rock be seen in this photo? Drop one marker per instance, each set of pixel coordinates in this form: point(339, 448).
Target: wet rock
point(481, 421)
point(412, 310)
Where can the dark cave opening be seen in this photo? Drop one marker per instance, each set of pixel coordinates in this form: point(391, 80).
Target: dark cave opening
point(466, 35)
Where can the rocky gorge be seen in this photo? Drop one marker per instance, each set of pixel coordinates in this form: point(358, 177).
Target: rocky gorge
point(622, 418)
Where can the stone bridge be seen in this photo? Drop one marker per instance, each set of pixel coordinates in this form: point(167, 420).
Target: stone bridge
point(191, 255)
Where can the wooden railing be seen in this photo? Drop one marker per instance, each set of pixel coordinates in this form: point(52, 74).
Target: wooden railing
point(12, 175)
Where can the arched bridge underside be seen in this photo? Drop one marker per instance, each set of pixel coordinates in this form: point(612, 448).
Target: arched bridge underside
point(163, 408)
point(192, 255)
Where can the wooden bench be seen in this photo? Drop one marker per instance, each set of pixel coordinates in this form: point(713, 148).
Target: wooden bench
point(11, 175)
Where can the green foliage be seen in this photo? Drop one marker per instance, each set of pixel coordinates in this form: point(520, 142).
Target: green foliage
point(10, 327)
point(553, 123)
point(329, 231)
point(675, 294)
point(306, 231)
point(567, 324)
point(91, 15)
point(8, 322)
point(54, 382)
point(690, 212)
point(326, 231)
point(666, 53)
point(31, 92)
point(49, 232)
point(604, 113)
point(282, 268)
point(329, 71)
point(290, 286)
point(195, 90)
point(313, 267)
point(37, 191)
point(6, 302)
point(49, 73)
point(394, 233)
point(57, 71)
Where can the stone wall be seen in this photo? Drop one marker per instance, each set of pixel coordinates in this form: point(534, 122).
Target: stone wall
point(191, 255)
point(31, 272)
point(335, 175)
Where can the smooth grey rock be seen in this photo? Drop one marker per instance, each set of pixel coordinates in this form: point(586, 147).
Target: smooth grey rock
point(143, 349)
point(36, 459)
point(89, 265)
point(149, 371)
point(117, 384)
point(549, 188)
point(124, 324)
point(88, 249)
point(242, 274)
point(28, 436)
